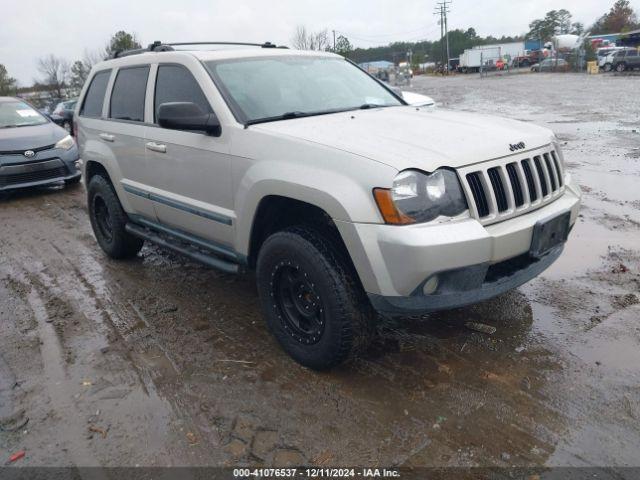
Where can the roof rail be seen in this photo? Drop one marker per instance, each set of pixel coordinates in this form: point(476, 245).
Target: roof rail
point(158, 46)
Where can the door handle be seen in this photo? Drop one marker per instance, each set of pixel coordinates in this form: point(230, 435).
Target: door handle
point(156, 147)
point(107, 137)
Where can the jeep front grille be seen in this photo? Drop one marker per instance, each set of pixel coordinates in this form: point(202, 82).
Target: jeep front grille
point(508, 187)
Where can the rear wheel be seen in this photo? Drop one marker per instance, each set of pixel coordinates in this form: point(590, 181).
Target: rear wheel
point(108, 220)
point(311, 299)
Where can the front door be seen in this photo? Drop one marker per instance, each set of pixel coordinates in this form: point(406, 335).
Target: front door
point(191, 170)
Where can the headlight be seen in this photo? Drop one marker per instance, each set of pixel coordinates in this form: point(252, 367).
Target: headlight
point(66, 143)
point(417, 197)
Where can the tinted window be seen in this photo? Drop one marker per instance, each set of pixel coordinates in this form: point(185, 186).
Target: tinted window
point(94, 98)
point(632, 54)
point(176, 84)
point(129, 90)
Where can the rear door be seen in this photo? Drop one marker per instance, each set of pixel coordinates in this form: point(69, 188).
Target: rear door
point(124, 134)
point(191, 170)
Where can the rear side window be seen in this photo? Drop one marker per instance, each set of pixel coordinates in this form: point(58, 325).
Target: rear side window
point(94, 99)
point(176, 84)
point(129, 90)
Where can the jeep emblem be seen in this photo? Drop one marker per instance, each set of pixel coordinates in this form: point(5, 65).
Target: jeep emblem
point(29, 154)
point(517, 146)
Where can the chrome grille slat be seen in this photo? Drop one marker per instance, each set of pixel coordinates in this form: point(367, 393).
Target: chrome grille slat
point(523, 184)
point(504, 188)
point(542, 175)
point(514, 186)
point(532, 180)
point(499, 191)
point(480, 207)
point(557, 163)
point(553, 176)
point(486, 182)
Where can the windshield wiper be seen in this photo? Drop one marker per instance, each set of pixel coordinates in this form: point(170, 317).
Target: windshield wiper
point(290, 116)
point(296, 114)
point(368, 106)
point(299, 114)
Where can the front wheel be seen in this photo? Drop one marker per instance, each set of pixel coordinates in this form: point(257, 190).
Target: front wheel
point(621, 67)
point(310, 297)
point(607, 67)
point(108, 220)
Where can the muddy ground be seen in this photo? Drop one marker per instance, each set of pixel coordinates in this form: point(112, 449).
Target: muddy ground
point(159, 361)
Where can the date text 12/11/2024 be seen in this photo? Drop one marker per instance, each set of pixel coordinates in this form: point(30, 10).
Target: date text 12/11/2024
point(315, 473)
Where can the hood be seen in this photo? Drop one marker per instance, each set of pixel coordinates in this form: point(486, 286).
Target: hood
point(30, 138)
point(408, 137)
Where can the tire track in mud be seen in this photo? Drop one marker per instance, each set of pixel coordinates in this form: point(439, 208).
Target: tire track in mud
point(59, 387)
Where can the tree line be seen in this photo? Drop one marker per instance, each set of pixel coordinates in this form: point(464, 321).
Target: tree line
point(620, 18)
point(58, 75)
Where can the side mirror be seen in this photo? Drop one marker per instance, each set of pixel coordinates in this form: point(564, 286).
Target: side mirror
point(188, 116)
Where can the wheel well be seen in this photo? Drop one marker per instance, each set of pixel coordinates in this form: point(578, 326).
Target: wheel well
point(275, 213)
point(93, 169)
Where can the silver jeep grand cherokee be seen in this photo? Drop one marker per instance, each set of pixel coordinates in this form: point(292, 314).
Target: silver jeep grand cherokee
point(343, 198)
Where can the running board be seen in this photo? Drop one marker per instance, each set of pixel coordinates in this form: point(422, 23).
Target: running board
point(194, 254)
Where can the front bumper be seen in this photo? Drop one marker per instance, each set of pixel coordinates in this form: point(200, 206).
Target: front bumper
point(48, 166)
point(472, 262)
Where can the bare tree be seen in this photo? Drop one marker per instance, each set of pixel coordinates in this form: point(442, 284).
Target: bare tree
point(55, 72)
point(305, 40)
point(7, 83)
point(91, 57)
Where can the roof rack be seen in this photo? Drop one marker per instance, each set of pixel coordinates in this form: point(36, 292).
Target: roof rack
point(158, 46)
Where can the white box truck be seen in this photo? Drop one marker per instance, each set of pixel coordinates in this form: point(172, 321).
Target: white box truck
point(487, 55)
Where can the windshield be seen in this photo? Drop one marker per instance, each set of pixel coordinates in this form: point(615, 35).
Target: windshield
point(19, 114)
point(276, 88)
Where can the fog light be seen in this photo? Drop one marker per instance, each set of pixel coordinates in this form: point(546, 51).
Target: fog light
point(431, 285)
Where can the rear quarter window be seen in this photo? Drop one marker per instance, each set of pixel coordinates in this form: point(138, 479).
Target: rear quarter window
point(129, 91)
point(94, 99)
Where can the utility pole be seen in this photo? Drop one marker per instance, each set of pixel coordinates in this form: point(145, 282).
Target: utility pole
point(334, 41)
point(442, 9)
point(438, 11)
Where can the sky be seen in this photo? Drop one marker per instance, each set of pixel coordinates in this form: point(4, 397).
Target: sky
point(30, 29)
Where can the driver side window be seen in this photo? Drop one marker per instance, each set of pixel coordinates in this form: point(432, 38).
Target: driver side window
point(174, 83)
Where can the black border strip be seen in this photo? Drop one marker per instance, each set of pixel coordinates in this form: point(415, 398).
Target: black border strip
point(216, 217)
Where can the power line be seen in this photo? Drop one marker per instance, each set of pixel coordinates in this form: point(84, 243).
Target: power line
point(373, 38)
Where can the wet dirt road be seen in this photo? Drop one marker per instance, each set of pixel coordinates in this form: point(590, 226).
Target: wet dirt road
point(159, 361)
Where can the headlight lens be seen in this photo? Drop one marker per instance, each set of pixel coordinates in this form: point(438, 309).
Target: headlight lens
point(419, 197)
point(66, 143)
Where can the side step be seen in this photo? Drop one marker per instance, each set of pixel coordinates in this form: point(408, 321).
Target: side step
point(194, 254)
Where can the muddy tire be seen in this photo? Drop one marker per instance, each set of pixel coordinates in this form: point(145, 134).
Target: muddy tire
point(108, 220)
point(312, 302)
